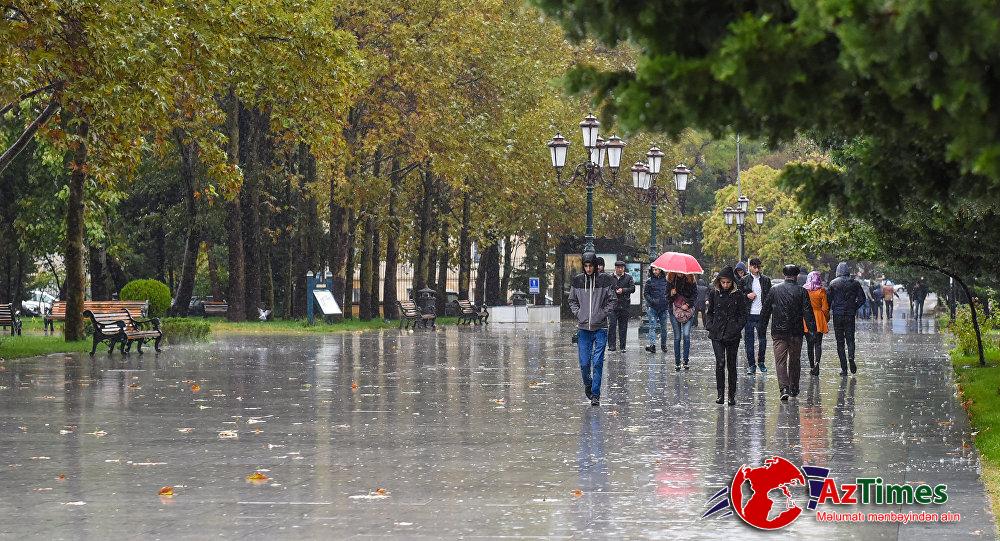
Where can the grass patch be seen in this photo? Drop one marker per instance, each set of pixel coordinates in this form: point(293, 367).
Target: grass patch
point(34, 343)
point(980, 388)
point(18, 347)
point(301, 326)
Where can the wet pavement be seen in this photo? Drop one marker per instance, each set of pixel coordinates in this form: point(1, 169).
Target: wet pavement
point(464, 432)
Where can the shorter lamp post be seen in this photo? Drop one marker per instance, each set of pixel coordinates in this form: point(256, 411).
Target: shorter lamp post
point(644, 180)
point(738, 216)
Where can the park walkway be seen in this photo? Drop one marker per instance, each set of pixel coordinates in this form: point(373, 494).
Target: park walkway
point(466, 432)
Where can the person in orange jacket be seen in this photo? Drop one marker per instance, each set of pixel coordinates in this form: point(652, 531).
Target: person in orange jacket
point(821, 311)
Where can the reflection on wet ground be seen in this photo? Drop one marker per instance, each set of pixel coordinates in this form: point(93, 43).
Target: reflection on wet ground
point(460, 432)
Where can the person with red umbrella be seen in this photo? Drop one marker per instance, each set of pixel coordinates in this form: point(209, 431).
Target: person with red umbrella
point(683, 292)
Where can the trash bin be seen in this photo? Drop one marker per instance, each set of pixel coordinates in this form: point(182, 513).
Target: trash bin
point(427, 300)
point(519, 298)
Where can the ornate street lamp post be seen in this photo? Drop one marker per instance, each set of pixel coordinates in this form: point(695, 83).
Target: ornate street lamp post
point(590, 172)
point(738, 214)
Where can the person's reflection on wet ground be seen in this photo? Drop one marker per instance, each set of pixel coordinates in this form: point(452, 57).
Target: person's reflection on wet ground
point(593, 503)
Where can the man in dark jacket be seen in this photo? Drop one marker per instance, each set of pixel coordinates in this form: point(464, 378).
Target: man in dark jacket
point(623, 285)
point(788, 303)
point(591, 299)
point(755, 285)
point(657, 308)
point(846, 296)
point(919, 295)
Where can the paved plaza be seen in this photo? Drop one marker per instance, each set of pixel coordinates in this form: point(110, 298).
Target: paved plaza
point(464, 432)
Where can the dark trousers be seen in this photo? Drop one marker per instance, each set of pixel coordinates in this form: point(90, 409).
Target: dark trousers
point(876, 308)
point(888, 309)
point(788, 360)
point(843, 329)
point(725, 361)
point(760, 341)
point(618, 324)
point(918, 307)
point(814, 348)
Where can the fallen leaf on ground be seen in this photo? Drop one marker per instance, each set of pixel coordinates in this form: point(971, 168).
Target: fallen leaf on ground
point(578, 493)
point(61, 477)
point(167, 491)
point(195, 388)
point(354, 386)
point(380, 491)
point(228, 435)
point(257, 477)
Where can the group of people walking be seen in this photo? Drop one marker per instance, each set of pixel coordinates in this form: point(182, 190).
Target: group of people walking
point(740, 305)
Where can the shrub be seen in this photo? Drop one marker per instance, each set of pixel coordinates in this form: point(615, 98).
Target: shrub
point(965, 333)
point(181, 329)
point(154, 291)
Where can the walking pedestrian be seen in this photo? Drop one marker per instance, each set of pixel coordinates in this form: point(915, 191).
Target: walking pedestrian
point(623, 285)
point(821, 311)
point(701, 303)
point(740, 270)
point(755, 285)
point(657, 308)
point(889, 295)
point(683, 293)
point(919, 295)
point(788, 303)
point(591, 299)
point(846, 296)
point(875, 298)
point(726, 319)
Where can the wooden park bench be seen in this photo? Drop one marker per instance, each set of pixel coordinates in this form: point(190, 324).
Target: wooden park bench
point(215, 308)
point(58, 312)
point(118, 326)
point(10, 318)
point(470, 313)
point(410, 314)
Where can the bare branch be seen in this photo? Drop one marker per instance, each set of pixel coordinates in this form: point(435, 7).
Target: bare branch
point(29, 132)
point(25, 96)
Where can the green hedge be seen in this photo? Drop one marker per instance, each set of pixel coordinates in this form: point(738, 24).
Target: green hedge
point(154, 291)
point(182, 329)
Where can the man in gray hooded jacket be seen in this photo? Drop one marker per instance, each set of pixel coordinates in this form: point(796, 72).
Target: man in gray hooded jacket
point(592, 299)
point(846, 297)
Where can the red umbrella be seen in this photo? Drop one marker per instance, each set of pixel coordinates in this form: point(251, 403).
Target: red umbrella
point(678, 262)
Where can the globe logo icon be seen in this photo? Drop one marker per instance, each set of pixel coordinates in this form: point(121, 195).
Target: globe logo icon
point(777, 474)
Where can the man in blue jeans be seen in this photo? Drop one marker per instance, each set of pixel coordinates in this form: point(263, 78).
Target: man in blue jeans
point(755, 285)
point(591, 299)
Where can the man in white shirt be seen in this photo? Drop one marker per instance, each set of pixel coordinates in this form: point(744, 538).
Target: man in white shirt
point(756, 286)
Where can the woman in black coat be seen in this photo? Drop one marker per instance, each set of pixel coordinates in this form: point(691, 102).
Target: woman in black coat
point(726, 317)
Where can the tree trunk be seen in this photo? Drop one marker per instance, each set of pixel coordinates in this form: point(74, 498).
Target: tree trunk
point(423, 232)
point(442, 270)
point(213, 272)
point(192, 246)
point(480, 287)
point(76, 162)
point(464, 250)
point(267, 270)
point(160, 253)
point(508, 267)
point(389, 308)
point(250, 129)
point(118, 276)
point(489, 266)
point(99, 290)
point(365, 300)
point(352, 230)
point(376, 262)
point(236, 289)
